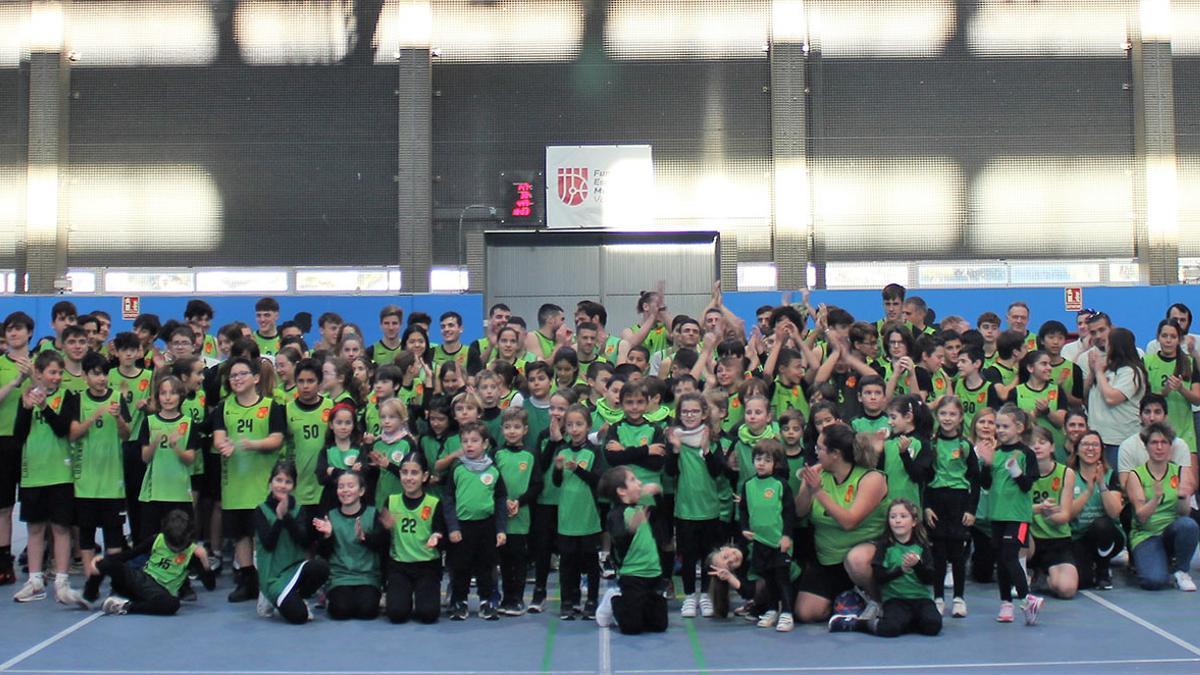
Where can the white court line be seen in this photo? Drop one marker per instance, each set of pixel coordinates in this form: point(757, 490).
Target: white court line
point(85, 671)
point(605, 652)
point(49, 641)
point(915, 666)
point(1142, 622)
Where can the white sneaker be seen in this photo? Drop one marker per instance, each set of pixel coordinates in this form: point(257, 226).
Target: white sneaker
point(1183, 581)
point(767, 620)
point(115, 605)
point(786, 623)
point(688, 610)
point(264, 608)
point(948, 582)
point(604, 612)
point(34, 589)
point(870, 612)
point(960, 608)
point(66, 595)
point(940, 603)
point(706, 606)
point(308, 608)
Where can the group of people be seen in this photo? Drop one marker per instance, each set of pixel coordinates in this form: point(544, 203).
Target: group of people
point(818, 467)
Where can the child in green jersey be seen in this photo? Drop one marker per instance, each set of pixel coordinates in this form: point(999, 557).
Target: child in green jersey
point(488, 385)
point(47, 493)
point(342, 453)
point(153, 589)
point(97, 428)
point(134, 383)
point(903, 571)
point(575, 474)
point(16, 368)
point(1174, 376)
point(541, 409)
point(523, 482)
point(285, 375)
point(951, 500)
point(168, 439)
point(1009, 472)
point(281, 539)
point(697, 460)
point(394, 441)
point(414, 564)
point(874, 405)
point(307, 421)
point(767, 516)
point(635, 605)
point(982, 435)
point(907, 459)
point(756, 427)
point(476, 518)
point(1053, 497)
point(566, 368)
point(351, 537)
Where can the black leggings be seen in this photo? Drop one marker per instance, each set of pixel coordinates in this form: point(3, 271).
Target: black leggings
point(353, 602)
point(1094, 551)
point(640, 607)
point(146, 596)
point(902, 616)
point(1008, 538)
point(474, 556)
point(572, 566)
point(775, 568)
point(695, 539)
point(514, 563)
point(544, 534)
point(134, 470)
point(954, 552)
point(312, 576)
point(414, 591)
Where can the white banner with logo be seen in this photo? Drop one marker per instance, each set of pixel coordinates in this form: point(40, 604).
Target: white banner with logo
point(599, 186)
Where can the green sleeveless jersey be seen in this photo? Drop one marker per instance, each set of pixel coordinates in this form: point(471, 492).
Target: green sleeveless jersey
point(577, 512)
point(794, 464)
point(193, 406)
point(785, 397)
point(167, 567)
point(950, 463)
point(8, 407)
point(382, 354)
point(940, 384)
point(973, 400)
point(267, 346)
point(132, 389)
point(246, 473)
point(1027, 400)
point(1063, 375)
point(1093, 508)
point(611, 349)
point(1050, 486)
point(474, 493)
point(641, 560)
point(764, 506)
point(277, 567)
point(440, 356)
point(861, 424)
point(305, 440)
point(167, 478)
point(547, 344)
point(734, 415)
point(76, 384)
point(900, 484)
point(516, 468)
point(743, 448)
point(696, 495)
point(97, 461)
point(388, 484)
point(369, 420)
point(1165, 514)
point(352, 563)
point(413, 529)
point(209, 350)
point(46, 457)
point(833, 542)
point(1179, 410)
point(1008, 375)
point(906, 586)
point(656, 340)
point(1007, 501)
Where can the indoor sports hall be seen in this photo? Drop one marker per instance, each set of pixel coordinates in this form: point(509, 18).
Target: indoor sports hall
point(599, 336)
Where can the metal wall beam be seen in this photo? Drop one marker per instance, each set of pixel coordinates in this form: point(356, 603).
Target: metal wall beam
point(1157, 182)
point(791, 214)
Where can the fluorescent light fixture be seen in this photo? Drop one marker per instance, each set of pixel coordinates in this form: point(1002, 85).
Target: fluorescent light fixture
point(483, 32)
point(41, 197)
point(82, 281)
point(1156, 19)
point(756, 277)
point(1050, 28)
point(1184, 28)
point(12, 203)
point(734, 195)
point(448, 279)
point(788, 23)
point(1162, 202)
point(242, 281)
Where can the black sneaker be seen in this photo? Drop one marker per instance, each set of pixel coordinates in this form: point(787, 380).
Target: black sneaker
point(487, 611)
point(458, 611)
point(589, 610)
point(1104, 580)
point(538, 602)
point(512, 608)
point(186, 592)
point(568, 614)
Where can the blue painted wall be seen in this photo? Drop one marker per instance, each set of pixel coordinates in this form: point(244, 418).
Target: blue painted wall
point(1137, 308)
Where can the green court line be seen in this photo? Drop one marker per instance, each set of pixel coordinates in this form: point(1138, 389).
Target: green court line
point(697, 652)
point(548, 652)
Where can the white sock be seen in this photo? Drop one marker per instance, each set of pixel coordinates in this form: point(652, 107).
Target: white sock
point(39, 577)
point(62, 579)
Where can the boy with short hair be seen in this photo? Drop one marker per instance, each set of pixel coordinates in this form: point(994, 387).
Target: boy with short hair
point(635, 606)
point(74, 348)
point(522, 483)
point(16, 369)
point(1010, 349)
point(266, 315)
point(550, 334)
point(451, 348)
point(871, 395)
point(132, 382)
point(199, 315)
point(388, 347)
point(479, 353)
point(973, 391)
point(329, 324)
point(893, 306)
point(62, 314)
point(988, 324)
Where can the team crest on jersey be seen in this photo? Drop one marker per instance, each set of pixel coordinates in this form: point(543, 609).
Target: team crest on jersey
point(397, 456)
point(1053, 394)
point(183, 428)
point(522, 466)
point(143, 385)
point(982, 396)
point(426, 513)
point(262, 413)
point(1056, 484)
point(735, 403)
point(644, 441)
point(849, 497)
point(180, 559)
point(351, 459)
point(56, 402)
point(200, 399)
point(583, 464)
point(1174, 482)
point(956, 454)
point(325, 415)
point(486, 479)
point(768, 493)
point(939, 383)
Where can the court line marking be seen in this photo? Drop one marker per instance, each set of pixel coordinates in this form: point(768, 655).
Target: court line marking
point(84, 671)
point(916, 666)
point(605, 651)
point(1142, 622)
point(49, 641)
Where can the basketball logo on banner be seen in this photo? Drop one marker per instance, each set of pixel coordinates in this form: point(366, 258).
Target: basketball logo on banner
point(572, 185)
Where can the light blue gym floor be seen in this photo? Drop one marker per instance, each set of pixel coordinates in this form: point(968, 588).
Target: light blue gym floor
point(1123, 630)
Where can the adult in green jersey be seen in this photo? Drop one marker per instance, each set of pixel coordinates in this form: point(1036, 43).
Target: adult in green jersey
point(481, 351)
point(266, 316)
point(450, 324)
point(248, 431)
point(844, 496)
point(16, 368)
point(1162, 530)
point(1096, 534)
point(389, 346)
point(551, 333)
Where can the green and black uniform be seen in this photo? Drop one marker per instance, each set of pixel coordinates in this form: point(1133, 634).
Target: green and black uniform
point(245, 474)
point(355, 577)
point(906, 593)
point(476, 507)
point(768, 510)
point(578, 519)
point(307, 424)
point(635, 440)
point(1010, 505)
point(279, 551)
point(639, 608)
point(974, 400)
point(908, 470)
